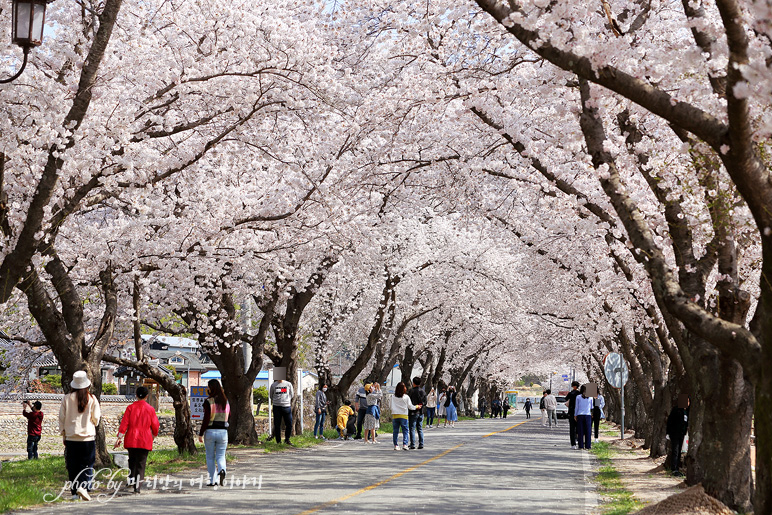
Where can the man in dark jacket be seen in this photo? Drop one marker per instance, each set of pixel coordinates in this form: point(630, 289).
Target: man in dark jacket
point(677, 425)
point(415, 418)
point(571, 402)
point(361, 400)
point(483, 405)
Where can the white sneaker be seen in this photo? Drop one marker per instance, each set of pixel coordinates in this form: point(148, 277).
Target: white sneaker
point(396, 447)
point(404, 448)
point(596, 440)
point(83, 494)
point(574, 447)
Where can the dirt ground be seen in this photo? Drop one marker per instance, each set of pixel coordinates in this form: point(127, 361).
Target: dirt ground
point(644, 477)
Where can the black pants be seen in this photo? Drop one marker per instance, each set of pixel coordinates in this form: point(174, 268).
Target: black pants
point(32, 446)
point(282, 413)
point(137, 463)
point(360, 420)
point(79, 458)
point(596, 420)
point(482, 413)
point(572, 428)
point(527, 413)
point(676, 444)
point(505, 412)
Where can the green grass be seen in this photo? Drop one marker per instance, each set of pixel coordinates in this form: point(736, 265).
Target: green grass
point(30, 482)
point(618, 500)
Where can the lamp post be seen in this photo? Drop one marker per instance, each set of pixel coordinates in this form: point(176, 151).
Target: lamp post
point(28, 18)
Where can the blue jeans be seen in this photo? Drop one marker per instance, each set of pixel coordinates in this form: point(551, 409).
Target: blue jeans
point(32, 446)
point(215, 442)
point(430, 415)
point(319, 425)
point(416, 419)
point(400, 424)
point(584, 431)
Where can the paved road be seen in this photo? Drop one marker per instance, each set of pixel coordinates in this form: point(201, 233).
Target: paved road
point(480, 467)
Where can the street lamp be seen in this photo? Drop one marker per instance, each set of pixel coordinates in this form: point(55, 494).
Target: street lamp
point(28, 18)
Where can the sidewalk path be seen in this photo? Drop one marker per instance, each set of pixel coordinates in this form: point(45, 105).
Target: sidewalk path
point(480, 467)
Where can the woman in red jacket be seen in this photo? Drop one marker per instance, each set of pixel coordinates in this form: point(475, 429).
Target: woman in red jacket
point(140, 426)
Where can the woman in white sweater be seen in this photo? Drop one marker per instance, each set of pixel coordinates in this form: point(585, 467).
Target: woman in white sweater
point(400, 404)
point(79, 415)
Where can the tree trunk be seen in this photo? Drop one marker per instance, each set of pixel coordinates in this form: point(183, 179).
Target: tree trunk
point(241, 424)
point(720, 429)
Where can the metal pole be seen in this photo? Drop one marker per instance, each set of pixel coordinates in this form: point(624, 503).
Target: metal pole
point(623, 402)
point(300, 387)
point(270, 382)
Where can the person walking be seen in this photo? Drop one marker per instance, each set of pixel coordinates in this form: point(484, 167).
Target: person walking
point(571, 403)
point(34, 427)
point(320, 409)
point(482, 405)
point(676, 429)
point(361, 402)
point(373, 416)
point(281, 393)
point(495, 408)
point(400, 407)
point(139, 426)
point(451, 407)
point(431, 407)
point(79, 414)
point(505, 407)
point(214, 431)
point(441, 407)
point(344, 412)
point(527, 407)
point(415, 418)
point(550, 405)
point(597, 413)
point(583, 419)
point(543, 409)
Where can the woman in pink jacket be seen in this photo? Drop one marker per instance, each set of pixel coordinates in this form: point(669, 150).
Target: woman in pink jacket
point(139, 426)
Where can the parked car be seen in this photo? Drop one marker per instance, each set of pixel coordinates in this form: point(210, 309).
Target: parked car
point(562, 410)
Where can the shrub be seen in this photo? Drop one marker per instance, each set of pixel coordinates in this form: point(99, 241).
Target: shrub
point(259, 396)
point(109, 389)
point(54, 381)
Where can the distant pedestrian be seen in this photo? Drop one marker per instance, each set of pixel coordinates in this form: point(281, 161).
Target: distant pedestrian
point(415, 418)
point(214, 431)
point(139, 426)
point(441, 407)
point(320, 409)
point(527, 407)
point(344, 412)
point(451, 407)
point(571, 403)
point(543, 408)
point(482, 404)
point(34, 427)
point(677, 426)
point(431, 407)
point(373, 417)
point(79, 414)
point(282, 393)
point(400, 407)
point(495, 408)
point(505, 407)
point(583, 418)
point(551, 404)
point(361, 404)
point(597, 413)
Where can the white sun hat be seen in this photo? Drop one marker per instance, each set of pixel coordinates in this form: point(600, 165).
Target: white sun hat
point(80, 380)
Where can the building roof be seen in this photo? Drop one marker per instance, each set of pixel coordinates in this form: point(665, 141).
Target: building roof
point(176, 342)
point(190, 359)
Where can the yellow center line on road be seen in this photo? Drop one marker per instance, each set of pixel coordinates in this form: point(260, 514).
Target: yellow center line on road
point(507, 429)
point(396, 476)
point(379, 483)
